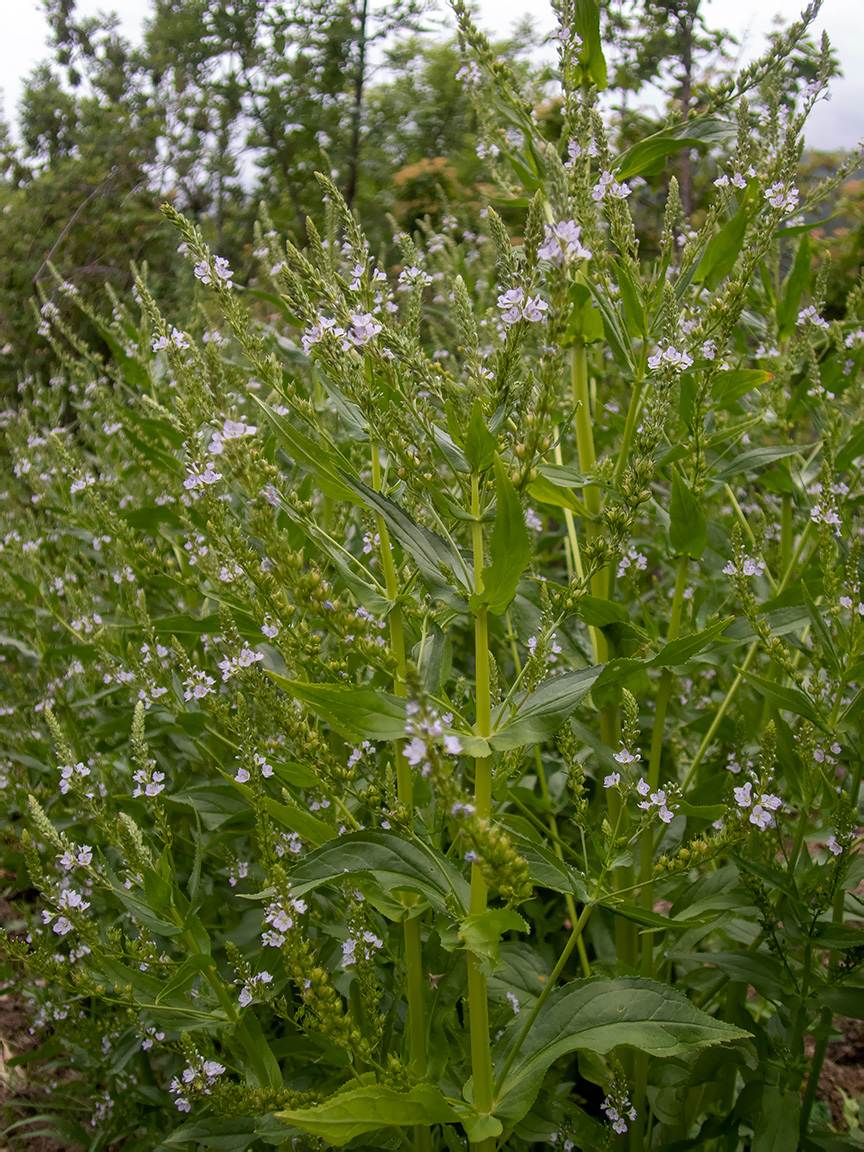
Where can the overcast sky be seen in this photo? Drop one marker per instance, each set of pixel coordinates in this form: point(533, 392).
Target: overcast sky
point(835, 124)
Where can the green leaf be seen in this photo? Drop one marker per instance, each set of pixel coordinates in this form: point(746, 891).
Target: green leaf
point(537, 715)
point(614, 328)
point(296, 820)
point(648, 156)
point(820, 629)
point(776, 1129)
point(586, 24)
point(394, 861)
point(796, 285)
point(789, 699)
point(688, 528)
point(684, 649)
point(764, 973)
point(356, 713)
point(723, 250)
point(844, 1000)
point(544, 490)
point(737, 382)
point(431, 553)
point(597, 1015)
point(755, 458)
point(184, 977)
point(369, 1108)
point(222, 1134)
point(480, 444)
point(797, 229)
point(648, 918)
point(509, 549)
point(325, 464)
point(481, 933)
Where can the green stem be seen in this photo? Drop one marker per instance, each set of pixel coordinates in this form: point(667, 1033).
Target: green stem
point(478, 1002)
point(629, 427)
point(590, 493)
point(639, 1128)
point(745, 667)
point(416, 1024)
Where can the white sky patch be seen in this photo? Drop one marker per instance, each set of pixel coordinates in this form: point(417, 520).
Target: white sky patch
point(834, 124)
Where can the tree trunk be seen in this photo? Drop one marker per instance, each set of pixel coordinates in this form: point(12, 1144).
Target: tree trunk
point(357, 115)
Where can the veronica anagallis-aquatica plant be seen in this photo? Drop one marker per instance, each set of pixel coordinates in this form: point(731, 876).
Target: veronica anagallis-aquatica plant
point(448, 688)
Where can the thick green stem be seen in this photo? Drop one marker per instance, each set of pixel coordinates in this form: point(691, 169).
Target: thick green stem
point(478, 1003)
point(590, 493)
point(416, 1024)
point(629, 427)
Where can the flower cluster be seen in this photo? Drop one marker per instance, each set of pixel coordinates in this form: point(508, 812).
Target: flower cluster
point(669, 357)
point(607, 185)
point(563, 243)
point(515, 306)
point(199, 1080)
point(745, 566)
point(280, 917)
point(362, 947)
point(231, 665)
point(779, 196)
point(425, 731)
point(216, 273)
point(68, 772)
point(253, 988)
point(148, 783)
point(761, 808)
point(618, 1111)
point(197, 480)
point(231, 430)
point(659, 800)
point(198, 685)
point(177, 340)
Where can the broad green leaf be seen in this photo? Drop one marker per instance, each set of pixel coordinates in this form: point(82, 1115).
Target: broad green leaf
point(796, 285)
point(509, 549)
point(737, 382)
point(688, 528)
point(684, 649)
point(598, 613)
point(221, 1133)
point(356, 713)
point(789, 699)
point(648, 156)
point(312, 830)
point(723, 250)
point(187, 625)
point(480, 444)
point(755, 458)
point(539, 714)
point(585, 325)
point(369, 1108)
point(765, 973)
point(481, 934)
point(843, 999)
point(600, 1014)
point(325, 464)
point(776, 1129)
point(395, 862)
point(546, 492)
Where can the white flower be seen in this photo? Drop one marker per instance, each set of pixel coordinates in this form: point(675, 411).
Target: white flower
point(626, 757)
point(217, 273)
point(779, 196)
point(832, 846)
point(743, 797)
point(415, 751)
point(563, 243)
point(613, 780)
point(452, 745)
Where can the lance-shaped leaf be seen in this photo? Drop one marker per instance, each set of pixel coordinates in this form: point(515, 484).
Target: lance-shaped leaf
point(723, 250)
point(394, 861)
point(586, 24)
point(432, 554)
point(789, 699)
point(325, 464)
point(509, 549)
point(539, 714)
point(597, 1015)
point(648, 156)
point(796, 286)
point(684, 649)
point(355, 713)
point(370, 1108)
point(755, 458)
point(688, 528)
point(480, 444)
